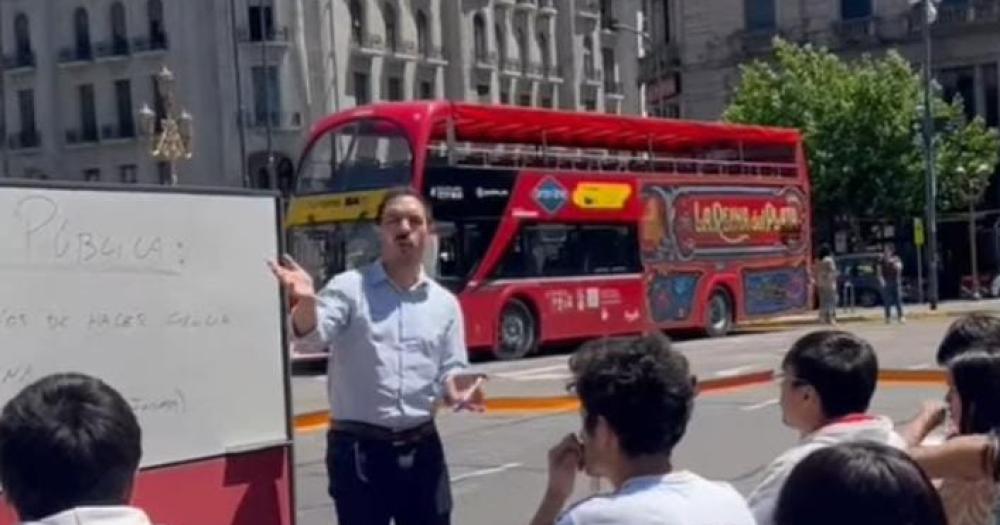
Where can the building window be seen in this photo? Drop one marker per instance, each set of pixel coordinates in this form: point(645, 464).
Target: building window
point(667, 26)
point(119, 29)
point(501, 44)
point(390, 27)
point(395, 89)
point(159, 106)
point(362, 91)
point(357, 22)
point(524, 100)
point(81, 29)
point(266, 95)
point(588, 57)
point(504, 96)
point(483, 90)
point(854, 9)
point(607, 14)
point(960, 82)
point(92, 175)
point(26, 108)
point(423, 35)
point(88, 113)
point(123, 101)
point(990, 95)
point(22, 37)
point(128, 173)
point(546, 102)
point(610, 73)
point(759, 15)
point(543, 48)
point(590, 104)
point(522, 48)
point(426, 90)
point(261, 19)
point(157, 28)
point(479, 37)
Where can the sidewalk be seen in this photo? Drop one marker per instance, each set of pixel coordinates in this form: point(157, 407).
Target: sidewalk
point(858, 315)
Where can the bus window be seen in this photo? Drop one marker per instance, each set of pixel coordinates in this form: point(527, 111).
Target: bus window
point(566, 250)
point(361, 155)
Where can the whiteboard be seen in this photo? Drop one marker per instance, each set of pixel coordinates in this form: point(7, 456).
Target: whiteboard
point(165, 296)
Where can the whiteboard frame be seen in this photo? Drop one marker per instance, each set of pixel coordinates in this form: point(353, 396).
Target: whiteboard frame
point(109, 187)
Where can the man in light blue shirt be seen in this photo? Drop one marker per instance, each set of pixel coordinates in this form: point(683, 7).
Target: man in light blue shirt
point(397, 346)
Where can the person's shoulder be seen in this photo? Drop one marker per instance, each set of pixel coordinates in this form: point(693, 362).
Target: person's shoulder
point(589, 510)
point(347, 281)
point(724, 496)
point(439, 293)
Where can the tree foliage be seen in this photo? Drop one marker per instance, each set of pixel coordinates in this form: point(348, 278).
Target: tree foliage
point(862, 124)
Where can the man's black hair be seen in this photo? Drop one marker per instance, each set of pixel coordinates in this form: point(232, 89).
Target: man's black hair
point(840, 366)
point(640, 386)
point(67, 440)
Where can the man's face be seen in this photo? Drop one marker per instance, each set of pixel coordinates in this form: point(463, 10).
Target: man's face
point(798, 405)
point(403, 230)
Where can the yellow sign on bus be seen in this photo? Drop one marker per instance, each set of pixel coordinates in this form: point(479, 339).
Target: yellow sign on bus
point(334, 208)
point(601, 195)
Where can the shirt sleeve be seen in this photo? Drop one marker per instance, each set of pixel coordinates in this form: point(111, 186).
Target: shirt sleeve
point(333, 312)
point(764, 498)
point(454, 356)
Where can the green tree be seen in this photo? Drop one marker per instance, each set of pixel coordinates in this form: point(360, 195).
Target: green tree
point(861, 123)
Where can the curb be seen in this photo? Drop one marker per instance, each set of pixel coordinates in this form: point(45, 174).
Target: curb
point(859, 318)
point(320, 420)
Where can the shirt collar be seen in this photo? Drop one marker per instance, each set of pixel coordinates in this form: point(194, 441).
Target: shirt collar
point(378, 275)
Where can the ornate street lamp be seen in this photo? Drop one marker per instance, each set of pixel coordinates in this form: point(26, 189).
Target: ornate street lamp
point(173, 142)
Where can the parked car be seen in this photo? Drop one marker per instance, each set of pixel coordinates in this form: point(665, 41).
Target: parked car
point(859, 281)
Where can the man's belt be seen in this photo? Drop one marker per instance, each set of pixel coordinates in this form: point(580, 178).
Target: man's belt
point(397, 438)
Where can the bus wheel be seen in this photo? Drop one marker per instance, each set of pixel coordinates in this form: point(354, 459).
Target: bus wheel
point(517, 332)
point(720, 315)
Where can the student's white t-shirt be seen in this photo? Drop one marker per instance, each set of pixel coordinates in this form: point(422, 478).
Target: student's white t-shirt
point(678, 498)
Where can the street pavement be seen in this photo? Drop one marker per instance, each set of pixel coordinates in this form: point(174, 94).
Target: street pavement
point(497, 461)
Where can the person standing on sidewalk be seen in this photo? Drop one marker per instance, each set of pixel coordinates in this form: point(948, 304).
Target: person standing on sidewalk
point(890, 272)
point(397, 349)
point(826, 285)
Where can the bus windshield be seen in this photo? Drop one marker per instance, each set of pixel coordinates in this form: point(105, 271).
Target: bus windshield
point(365, 154)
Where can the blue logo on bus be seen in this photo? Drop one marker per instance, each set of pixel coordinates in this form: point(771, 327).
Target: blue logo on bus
point(551, 196)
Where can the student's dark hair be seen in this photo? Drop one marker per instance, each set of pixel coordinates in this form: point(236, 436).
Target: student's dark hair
point(640, 386)
point(400, 192)
point(858, 483)
point(966, 332)
point(67, 440)
point(824, 251)
point(840, 366)
point(975, 374)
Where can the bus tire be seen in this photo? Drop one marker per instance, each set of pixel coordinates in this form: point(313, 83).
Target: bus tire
point(518, 335)
point(719, 316)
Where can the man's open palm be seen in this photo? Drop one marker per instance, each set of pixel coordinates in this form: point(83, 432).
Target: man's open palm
point(293, 278)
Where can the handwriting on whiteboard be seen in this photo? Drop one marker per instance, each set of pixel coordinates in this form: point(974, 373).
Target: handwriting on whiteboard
point(52, 240)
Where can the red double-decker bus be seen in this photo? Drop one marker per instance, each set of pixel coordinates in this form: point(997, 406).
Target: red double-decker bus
point(556, 226)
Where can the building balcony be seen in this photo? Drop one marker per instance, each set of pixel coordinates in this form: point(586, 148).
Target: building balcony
point(527, 5)
point(24, 60)
point(511, 66)
point(116, 48)
point(24, 140)
point(589, 9)
point(548, 8)
point(157, 43)
point(273, 35)
point(485, 61)
point(592, 76)
point(82, 137)
point(434, 56)
point(76, 55)
point(857, 32)
point(614, 89)
point(756, 42)
point(276, 120)
point(552, 73)
point(504, 3)
point(662, 59)
point(369, 45)
point(118, 132)
point(534, 70)
point(973, 15)
point(401, 49)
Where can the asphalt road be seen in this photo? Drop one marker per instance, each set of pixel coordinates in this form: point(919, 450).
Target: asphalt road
point(497, 462)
